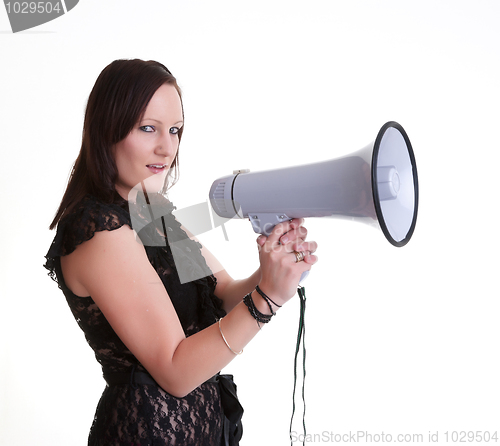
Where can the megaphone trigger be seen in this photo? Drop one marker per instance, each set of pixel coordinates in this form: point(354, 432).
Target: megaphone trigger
point(265, 223)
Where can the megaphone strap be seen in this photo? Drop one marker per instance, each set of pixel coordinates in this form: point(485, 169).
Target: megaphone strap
point(300, 338)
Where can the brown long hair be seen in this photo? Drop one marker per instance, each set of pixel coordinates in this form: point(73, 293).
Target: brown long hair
point(117, 102)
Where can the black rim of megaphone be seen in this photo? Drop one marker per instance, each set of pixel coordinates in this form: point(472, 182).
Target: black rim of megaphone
point(376, 201)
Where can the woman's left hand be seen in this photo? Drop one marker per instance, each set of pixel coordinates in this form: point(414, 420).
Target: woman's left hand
point(284, 248)
point(295, 240)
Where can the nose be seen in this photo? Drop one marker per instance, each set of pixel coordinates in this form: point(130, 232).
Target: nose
point(167, 146)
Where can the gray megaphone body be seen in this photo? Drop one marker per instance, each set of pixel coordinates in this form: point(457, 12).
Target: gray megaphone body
point(377, 185)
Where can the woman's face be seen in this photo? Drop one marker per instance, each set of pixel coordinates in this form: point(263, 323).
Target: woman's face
point(144, 157)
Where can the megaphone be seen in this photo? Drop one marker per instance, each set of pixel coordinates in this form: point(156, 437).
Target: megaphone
point(377, 185)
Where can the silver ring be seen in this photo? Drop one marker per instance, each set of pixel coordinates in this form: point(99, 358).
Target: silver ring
point(299, 256)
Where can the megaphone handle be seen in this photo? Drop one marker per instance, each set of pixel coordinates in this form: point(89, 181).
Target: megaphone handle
point(304, 276)
point(265, 223)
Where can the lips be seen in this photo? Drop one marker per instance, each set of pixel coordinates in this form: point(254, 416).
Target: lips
point(157, 168)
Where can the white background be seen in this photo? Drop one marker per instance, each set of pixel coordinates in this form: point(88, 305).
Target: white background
point(400, 341)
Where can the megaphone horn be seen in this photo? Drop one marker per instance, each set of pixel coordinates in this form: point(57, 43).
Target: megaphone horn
point(377, 185)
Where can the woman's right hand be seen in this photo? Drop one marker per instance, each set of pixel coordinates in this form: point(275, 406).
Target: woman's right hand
point(280, 271)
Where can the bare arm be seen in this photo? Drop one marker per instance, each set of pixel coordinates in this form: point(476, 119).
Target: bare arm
point(114, 269)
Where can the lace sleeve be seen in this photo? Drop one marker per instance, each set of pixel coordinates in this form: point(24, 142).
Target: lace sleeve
point(193, 298)
point(89, 216)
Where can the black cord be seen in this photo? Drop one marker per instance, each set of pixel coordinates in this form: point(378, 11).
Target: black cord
point(300, 337)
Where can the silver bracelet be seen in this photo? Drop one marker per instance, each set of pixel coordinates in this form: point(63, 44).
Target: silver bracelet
point(224, 338)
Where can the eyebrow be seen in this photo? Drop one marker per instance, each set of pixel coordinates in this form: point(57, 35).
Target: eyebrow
point(160, 122)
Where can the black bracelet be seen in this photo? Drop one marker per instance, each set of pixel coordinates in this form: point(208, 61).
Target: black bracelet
point(267, 299)
point(256, 314)
point(267, 302)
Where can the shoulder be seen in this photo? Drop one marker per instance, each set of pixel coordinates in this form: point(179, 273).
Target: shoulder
point(92, 237)
point(102, 258)
point(88, 218)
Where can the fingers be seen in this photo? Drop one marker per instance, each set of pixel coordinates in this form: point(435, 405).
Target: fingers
point(310, 259)
point(298, 235)
point(283, 232)
point(284, 256)
point(307, 247)
point(261, 239)
point(291, 236)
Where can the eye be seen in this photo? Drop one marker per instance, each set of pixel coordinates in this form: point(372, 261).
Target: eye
point(147, 128)
point(174, 130)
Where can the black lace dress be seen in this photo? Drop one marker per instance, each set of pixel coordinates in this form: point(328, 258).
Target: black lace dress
point(144, 414)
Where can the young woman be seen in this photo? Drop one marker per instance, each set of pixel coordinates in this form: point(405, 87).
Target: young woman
point(161, 343)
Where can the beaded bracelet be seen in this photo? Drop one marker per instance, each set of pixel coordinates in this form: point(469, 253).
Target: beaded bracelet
point(256, 314)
